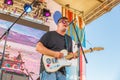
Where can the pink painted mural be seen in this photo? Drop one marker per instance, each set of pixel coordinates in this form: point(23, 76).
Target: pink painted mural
point(20, 48)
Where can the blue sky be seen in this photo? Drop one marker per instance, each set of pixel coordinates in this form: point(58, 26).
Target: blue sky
point(104, 32)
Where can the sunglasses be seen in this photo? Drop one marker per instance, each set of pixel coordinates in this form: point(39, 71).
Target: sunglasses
point(65, 21)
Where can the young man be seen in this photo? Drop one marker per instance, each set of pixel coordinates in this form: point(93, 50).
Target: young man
point(51, 44)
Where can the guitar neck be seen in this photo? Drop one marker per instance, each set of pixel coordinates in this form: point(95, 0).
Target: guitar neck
point(68, 57)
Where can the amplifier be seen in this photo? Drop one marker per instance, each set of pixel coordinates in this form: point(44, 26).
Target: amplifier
point(6, 75)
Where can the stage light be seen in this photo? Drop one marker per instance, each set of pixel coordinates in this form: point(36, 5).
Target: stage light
point(8, 2)
point(27, 8)
point(46, 12)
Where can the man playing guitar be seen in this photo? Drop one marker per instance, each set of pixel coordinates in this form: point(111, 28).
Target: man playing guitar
point(50, 46)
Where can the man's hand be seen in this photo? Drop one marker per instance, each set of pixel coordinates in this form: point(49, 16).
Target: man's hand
point(74, 55)
point(59, 55)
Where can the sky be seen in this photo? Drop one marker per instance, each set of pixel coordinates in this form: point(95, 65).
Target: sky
point(104, 32)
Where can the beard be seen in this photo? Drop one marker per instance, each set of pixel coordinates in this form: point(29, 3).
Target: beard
point(64, 30)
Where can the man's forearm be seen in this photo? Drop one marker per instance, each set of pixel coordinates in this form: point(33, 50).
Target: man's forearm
point(43, 50)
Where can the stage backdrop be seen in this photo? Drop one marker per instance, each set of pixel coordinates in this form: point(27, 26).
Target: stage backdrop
point(22, 40)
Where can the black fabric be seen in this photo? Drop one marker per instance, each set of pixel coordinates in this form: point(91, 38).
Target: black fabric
point(56, 42)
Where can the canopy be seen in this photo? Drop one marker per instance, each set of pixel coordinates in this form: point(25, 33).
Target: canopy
point(90, 9)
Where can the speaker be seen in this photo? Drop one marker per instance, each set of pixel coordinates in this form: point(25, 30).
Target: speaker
point(6, 75)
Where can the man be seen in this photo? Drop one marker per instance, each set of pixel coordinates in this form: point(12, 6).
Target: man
point(51, 44)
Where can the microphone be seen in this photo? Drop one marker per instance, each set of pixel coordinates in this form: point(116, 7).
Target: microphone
point(72, 21)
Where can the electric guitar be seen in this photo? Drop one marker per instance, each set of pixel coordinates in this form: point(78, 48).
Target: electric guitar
point(52, 64)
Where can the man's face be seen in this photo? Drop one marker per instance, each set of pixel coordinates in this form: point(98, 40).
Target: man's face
point(63, 24)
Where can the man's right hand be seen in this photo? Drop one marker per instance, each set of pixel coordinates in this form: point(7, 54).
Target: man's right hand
point(59, 55)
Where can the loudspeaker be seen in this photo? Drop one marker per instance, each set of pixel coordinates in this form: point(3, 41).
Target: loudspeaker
point(6, 75)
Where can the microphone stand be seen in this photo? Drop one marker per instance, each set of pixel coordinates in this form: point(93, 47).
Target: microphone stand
point(79, 46)
point(5, 34)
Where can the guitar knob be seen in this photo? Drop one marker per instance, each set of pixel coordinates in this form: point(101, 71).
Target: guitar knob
point(48, 60)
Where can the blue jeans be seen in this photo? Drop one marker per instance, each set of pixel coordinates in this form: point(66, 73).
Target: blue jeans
point(52, 76)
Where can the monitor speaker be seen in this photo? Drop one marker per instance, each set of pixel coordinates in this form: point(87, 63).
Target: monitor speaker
point(13, 76)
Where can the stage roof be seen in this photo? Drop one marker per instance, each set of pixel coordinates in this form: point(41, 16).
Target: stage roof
point(91, 9)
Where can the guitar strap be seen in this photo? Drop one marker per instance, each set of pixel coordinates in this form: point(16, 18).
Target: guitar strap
point(66, 43)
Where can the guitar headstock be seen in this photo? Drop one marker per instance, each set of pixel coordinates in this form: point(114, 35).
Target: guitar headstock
point(97, 48)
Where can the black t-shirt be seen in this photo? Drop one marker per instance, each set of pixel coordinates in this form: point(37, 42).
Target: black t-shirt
point(54, 41)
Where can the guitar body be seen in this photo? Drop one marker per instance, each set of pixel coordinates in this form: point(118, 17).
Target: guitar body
point(52, 64)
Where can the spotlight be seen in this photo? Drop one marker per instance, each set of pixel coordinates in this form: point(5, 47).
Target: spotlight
point(8, 2)
point(46, 12)
point(27, 8)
